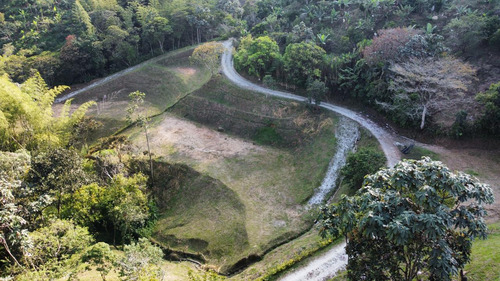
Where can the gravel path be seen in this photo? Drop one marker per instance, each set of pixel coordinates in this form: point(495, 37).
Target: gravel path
point(327, 265)
point(385, 138)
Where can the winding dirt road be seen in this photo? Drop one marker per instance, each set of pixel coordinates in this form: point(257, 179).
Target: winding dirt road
point(385, 138)
point(328, 264)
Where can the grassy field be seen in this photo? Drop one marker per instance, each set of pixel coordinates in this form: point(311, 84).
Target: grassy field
point(418, 152)
point(485, 259)
point(165, 81)
point(251, 161)
point(296, 253)
point(216, 130)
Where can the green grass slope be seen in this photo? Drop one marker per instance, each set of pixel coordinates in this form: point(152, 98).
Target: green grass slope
point(165, 81)
point(199, 215)
point(272, 181)
point(485, 259)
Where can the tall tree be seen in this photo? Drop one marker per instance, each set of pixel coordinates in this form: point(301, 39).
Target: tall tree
point(81, 19)
point(303, 60)
point(425, 86)
point(259, 56)
point(137, 116)
point(418, 216)
point(58, 173)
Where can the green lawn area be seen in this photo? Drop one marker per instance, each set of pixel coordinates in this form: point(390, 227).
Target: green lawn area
point(164, 80)
point(418, 152)
point(485, 259)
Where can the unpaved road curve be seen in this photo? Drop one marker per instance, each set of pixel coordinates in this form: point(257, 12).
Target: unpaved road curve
point(385, 138)
point(326, 265)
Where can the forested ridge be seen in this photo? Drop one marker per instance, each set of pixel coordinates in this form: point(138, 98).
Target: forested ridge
point(73, 41)
point(80, 191)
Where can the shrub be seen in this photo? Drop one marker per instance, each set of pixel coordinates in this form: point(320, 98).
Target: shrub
point(363, 162)
point(58, 241)
point(490, 99)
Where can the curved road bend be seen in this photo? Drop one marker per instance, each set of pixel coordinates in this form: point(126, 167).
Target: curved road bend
point(327, 265)
point(385, 138)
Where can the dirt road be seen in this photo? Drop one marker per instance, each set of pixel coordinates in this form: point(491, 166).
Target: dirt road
point(325, 266)
point(385, 138)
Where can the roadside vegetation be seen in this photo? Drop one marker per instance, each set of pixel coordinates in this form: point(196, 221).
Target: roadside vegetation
point(373, 52)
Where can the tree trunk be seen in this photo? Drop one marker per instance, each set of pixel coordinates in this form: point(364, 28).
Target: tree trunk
point(424, 112)
point(6, 247)
point(149, 152)
point(161, 46)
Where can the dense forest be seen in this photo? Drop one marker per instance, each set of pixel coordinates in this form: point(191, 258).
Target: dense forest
point(364, 50)
point(70, 201)
point(72, 41)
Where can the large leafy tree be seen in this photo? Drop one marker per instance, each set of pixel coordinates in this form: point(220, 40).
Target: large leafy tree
point(418, 216)
point(303, 61)
point(208, 55)
point(258, 56)
point(126, 205)
point(58, 173)
point(387, 45)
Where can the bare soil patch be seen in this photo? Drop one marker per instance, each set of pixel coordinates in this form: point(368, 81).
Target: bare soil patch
point(196, 142)
point(188, 71)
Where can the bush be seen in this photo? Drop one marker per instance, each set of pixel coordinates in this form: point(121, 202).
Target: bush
point(460, 127)
point(386, 46)
point(58, 241)
point(470, 31)
point(490, 99)
point(363, 162)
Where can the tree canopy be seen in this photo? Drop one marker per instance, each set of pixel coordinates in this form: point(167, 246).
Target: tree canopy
point(208, 55)
point(418, 216)
point(424, 86)
point(258, 56)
